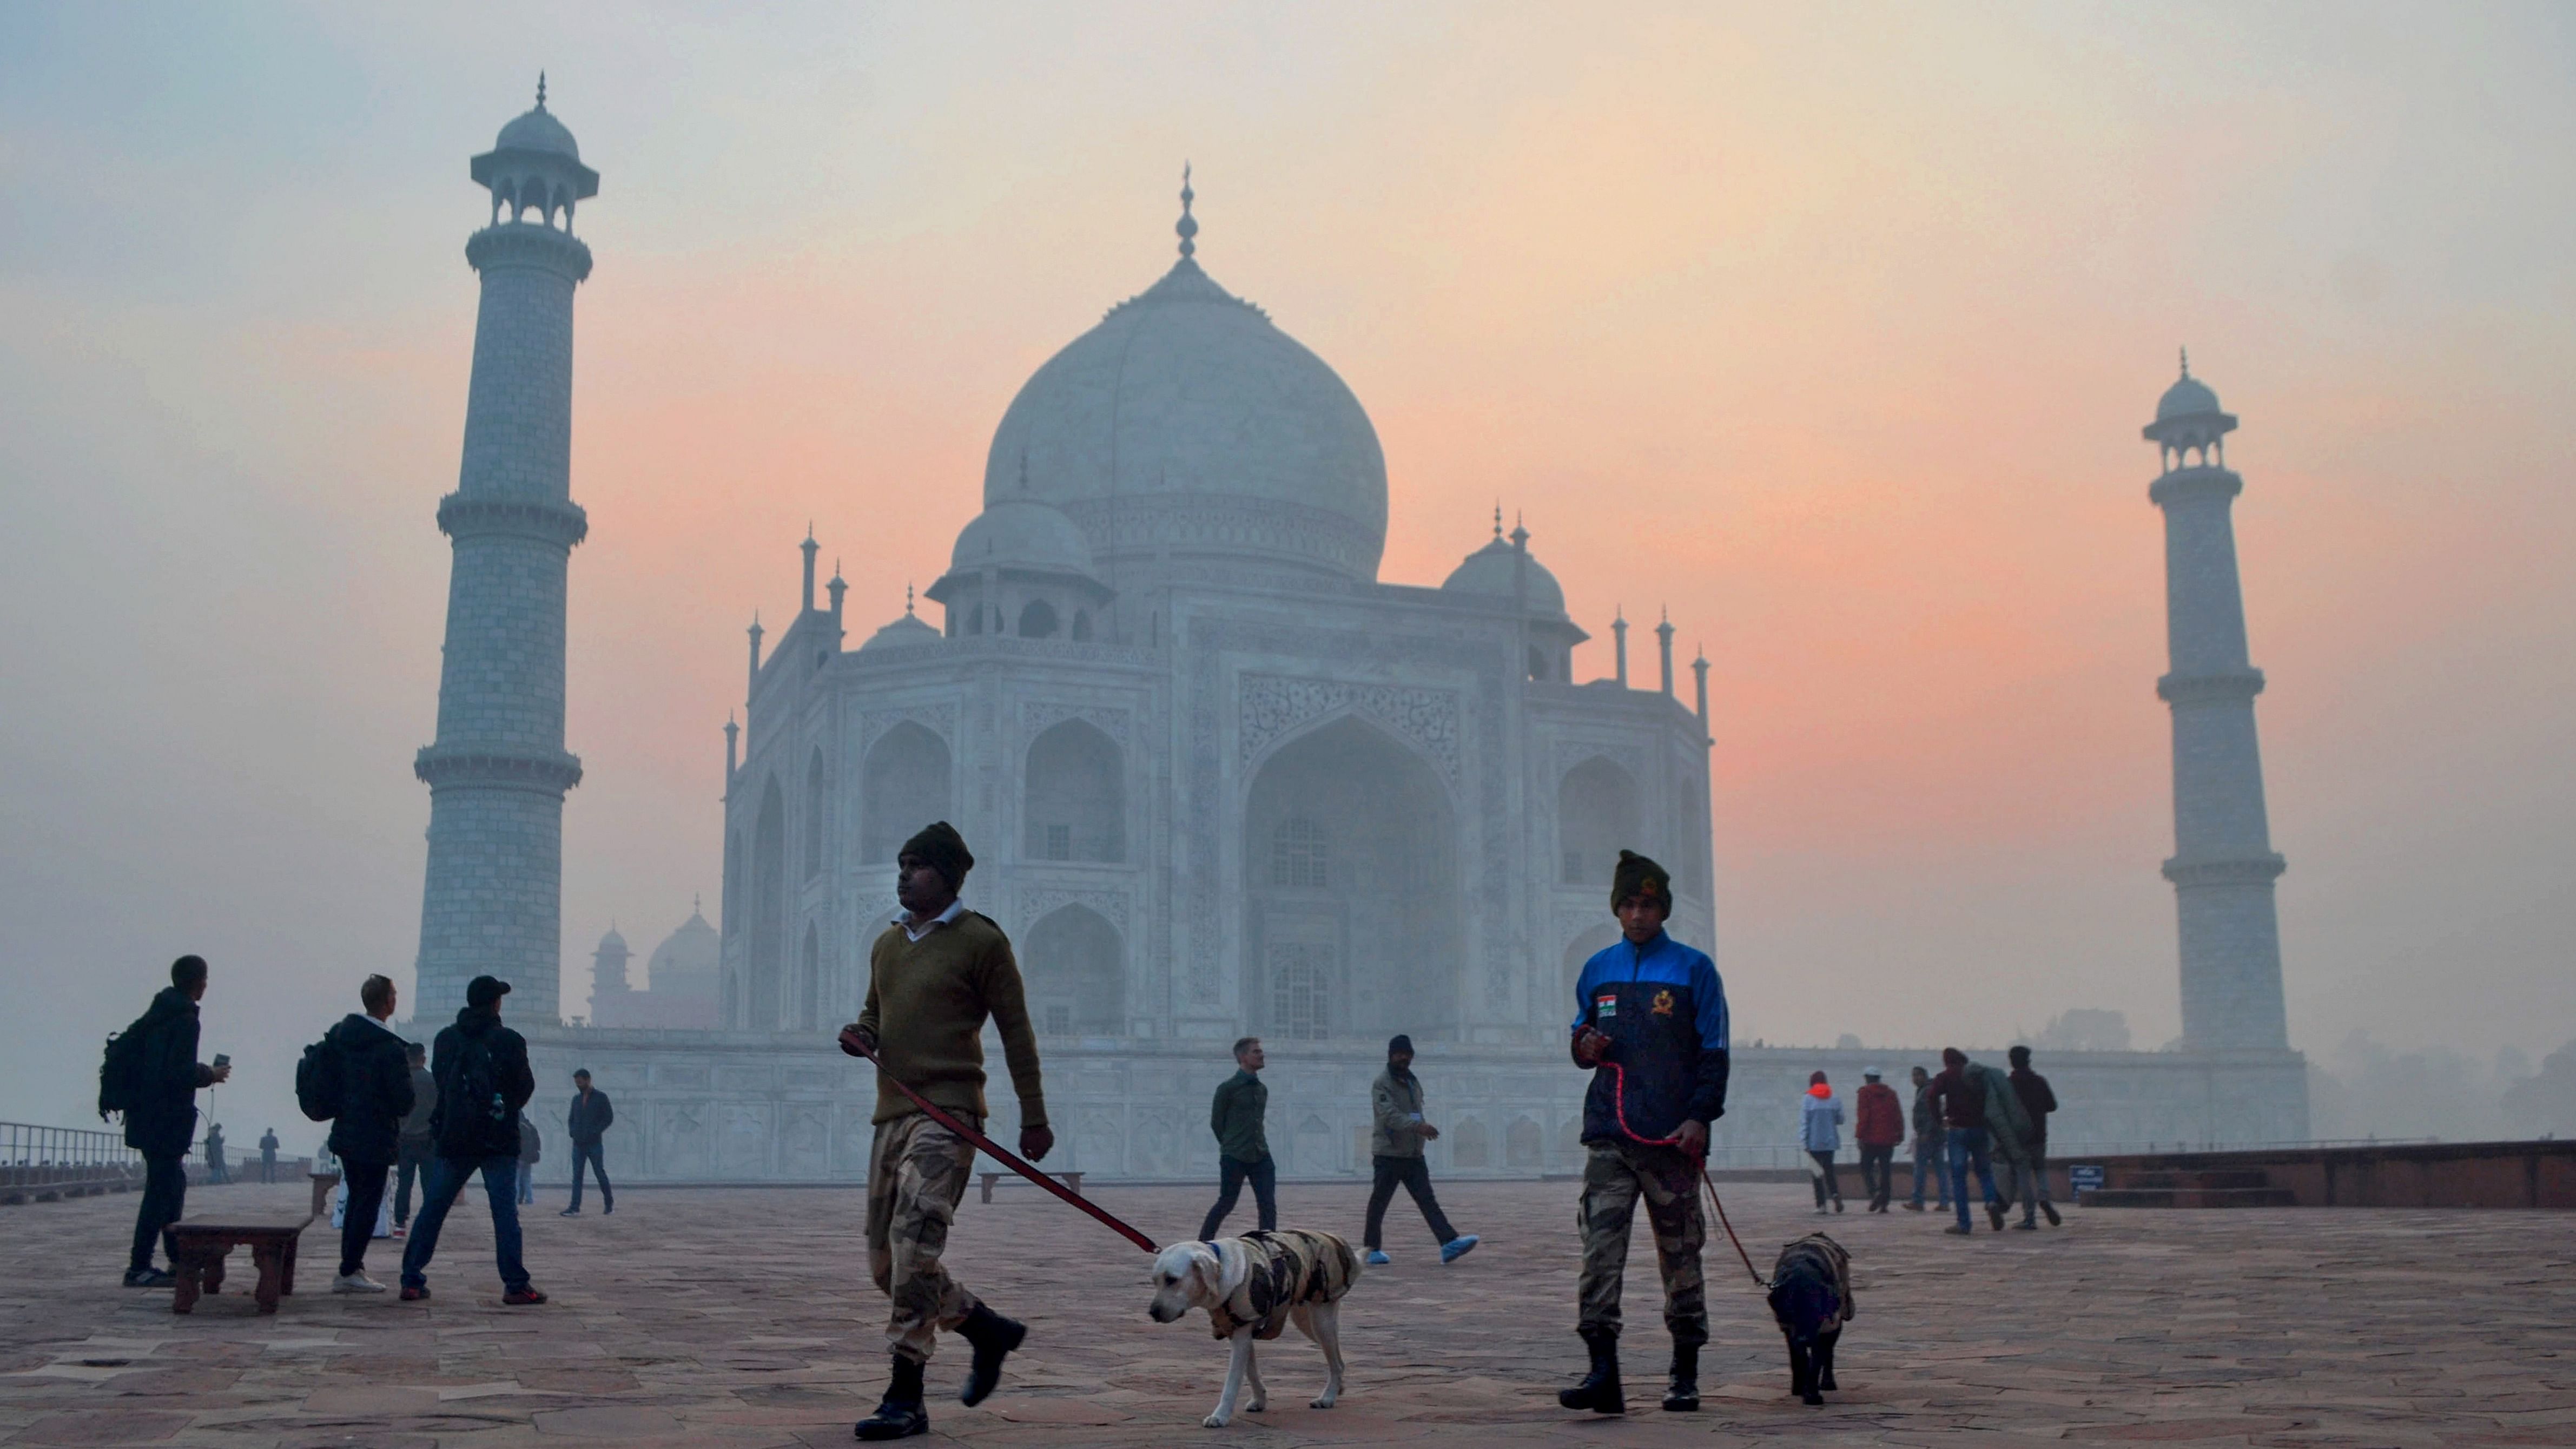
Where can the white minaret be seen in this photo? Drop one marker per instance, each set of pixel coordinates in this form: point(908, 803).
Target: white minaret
point(2223, 864)
point(498, 771)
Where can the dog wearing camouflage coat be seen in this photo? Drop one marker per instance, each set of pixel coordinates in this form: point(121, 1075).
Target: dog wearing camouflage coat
point(1253, 1287)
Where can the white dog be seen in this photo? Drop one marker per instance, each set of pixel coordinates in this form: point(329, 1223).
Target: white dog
point(1252, 1287)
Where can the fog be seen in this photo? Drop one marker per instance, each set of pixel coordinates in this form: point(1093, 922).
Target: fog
point(1831, 331)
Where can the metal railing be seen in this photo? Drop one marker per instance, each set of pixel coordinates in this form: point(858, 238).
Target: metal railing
point(24, 1144)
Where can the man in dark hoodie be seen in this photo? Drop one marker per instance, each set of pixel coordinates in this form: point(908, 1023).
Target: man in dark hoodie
point(2037, 1102)
point(375, 1095)
point(414, 1144)
point(162, 1121)
point(483, 1081)
point(1650, 1025)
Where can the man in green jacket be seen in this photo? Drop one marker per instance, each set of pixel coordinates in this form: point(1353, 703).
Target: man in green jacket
point(1242, 1151)
point(1395, 1153)
point(934, 976)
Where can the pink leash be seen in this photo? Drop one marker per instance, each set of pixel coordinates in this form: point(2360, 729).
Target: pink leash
point(1619, 1106)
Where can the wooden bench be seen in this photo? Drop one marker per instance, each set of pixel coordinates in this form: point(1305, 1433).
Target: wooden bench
point(198, 1247)
point(1070, 1179)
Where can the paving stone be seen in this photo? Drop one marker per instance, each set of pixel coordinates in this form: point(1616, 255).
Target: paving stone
point(745, 1318)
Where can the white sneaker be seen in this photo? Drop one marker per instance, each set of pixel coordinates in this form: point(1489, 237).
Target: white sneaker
point(356, 1283)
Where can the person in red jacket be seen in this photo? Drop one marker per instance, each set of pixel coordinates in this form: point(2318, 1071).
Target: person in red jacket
point(1878, 1127)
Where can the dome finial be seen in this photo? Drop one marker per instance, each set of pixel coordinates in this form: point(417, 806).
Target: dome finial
point(907, 599)
point(2186, 362)
point(1188, 225)
point(1498, 518)
point(541, 90)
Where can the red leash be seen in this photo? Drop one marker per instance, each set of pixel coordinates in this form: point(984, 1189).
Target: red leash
point(1017, 1164)
point(1619, 1107)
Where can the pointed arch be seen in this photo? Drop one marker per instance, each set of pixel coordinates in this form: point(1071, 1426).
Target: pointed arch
point(768, 910)
point(817, 809)
point(1076, 801)
point(1597, 816)
point(903, 786)
point(809, 981)
point(1075, 965)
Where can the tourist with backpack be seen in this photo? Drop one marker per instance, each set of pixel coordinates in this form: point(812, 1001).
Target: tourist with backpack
point(483, 1080)
point(152, 1076)
point(359, 1079)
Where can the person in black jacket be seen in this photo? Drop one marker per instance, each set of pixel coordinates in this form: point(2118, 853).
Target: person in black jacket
point(375, 1095)
point(587, 1122)
point(483, 1081)
point(163, 1120)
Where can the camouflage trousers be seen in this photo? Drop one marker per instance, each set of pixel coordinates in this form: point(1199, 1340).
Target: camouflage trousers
point(1615, 1175)
point(917, 1173)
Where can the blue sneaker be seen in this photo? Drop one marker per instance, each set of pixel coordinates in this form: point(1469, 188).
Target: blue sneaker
point(1456, 1248)
point(1377, 1258)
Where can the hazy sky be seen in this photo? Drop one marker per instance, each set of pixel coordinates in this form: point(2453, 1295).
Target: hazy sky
point(1831, 329)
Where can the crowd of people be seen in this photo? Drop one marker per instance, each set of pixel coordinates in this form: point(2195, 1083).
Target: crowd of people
point(1969, 1118)
point(435, 1116)
point(1650, 1025)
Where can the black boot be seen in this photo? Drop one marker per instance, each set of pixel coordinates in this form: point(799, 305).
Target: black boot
point(899, 1414)
point(993, 1337)
point(1599, 1390)
point(1681, 1396)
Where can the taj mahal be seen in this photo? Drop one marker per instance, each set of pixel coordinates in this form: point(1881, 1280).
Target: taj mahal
point(1221, 777)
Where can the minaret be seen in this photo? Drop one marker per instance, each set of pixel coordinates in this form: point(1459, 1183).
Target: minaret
point(1619, 645)
point(497, 773)
point(1664, 648)
point(2223, 864)
point(608, 967)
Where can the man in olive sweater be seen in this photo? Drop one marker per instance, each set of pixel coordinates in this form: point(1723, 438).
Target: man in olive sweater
point(933, 977)
point(1242, 1151)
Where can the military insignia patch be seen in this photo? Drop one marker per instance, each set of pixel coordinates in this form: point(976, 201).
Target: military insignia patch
point(1606, 1004)
point(1663, 1003)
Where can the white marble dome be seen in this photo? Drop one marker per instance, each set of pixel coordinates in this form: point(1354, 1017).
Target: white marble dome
point(538, 130)
point(1021, 533)
point(2188, 397)
point(1187, 424)
point(1493, 570)
point(910, 628)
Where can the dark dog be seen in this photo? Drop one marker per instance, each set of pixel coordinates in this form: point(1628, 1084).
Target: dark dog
point(1811, 1298)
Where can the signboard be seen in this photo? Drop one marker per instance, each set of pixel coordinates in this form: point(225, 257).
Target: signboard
point(2085, 1177)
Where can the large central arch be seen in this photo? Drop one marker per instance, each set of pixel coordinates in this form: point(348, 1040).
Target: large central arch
point(1353, 917)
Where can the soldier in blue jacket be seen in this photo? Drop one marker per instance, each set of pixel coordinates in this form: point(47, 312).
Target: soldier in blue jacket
point(1650, 1025)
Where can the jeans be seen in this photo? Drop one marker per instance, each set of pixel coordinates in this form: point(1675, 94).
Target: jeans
point(1414, 1176)
point(447, 1177)
point(1231, 1175)
point(1878, 1173)
point(415, 1160)
point(1967, 1146)
point(165, 1201)
point(2030, 1182)
point(216, 1173)
point(1826, 1183)
point(1931, 1165)
point(589, 1152)
point(358, 1223)
point(527, 1182)
point(268, 1167)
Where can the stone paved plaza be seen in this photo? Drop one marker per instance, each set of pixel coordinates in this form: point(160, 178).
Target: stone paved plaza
point(743, 1317)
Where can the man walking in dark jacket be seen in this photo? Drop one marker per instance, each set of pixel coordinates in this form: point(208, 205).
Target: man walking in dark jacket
point(267, 1154)
point(162, 1118)
point(1242, 1149)
point(1878, 1126)
point(375, 1096)
point(1960, 1097)
point(1396, 1135)
point(1930, 1147)
point(1650, 1025)
point(586, 1124)
point(2037, 1101)
point(413, 1146)
point(483, 1081)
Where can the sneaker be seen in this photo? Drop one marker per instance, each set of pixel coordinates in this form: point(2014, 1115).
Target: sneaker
point(569, 1213)
point(523, 1297)
point(1838, 1204)
point(2054, 1220)
point(1995, 1214)
point(356, 1283)
point(1377, 1258)
point(148, 1278)
point(411, 1294)
point(1459, 1247)
point(1914, 1207)
point(2026, 1227)
point(1957, 1231)
point(401, 1232)
point(607, 1208)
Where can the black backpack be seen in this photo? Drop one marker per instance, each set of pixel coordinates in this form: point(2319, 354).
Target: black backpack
point(120, 1072)
point(478, 1083)
point(318, 1088)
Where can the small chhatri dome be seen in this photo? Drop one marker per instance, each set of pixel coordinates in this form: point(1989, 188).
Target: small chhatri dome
point(2188, 397)
point(1503, 567)
point(907, 630)
point(535, 163)
point(1021, 533)
point(612, 943)
point(538, 130)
